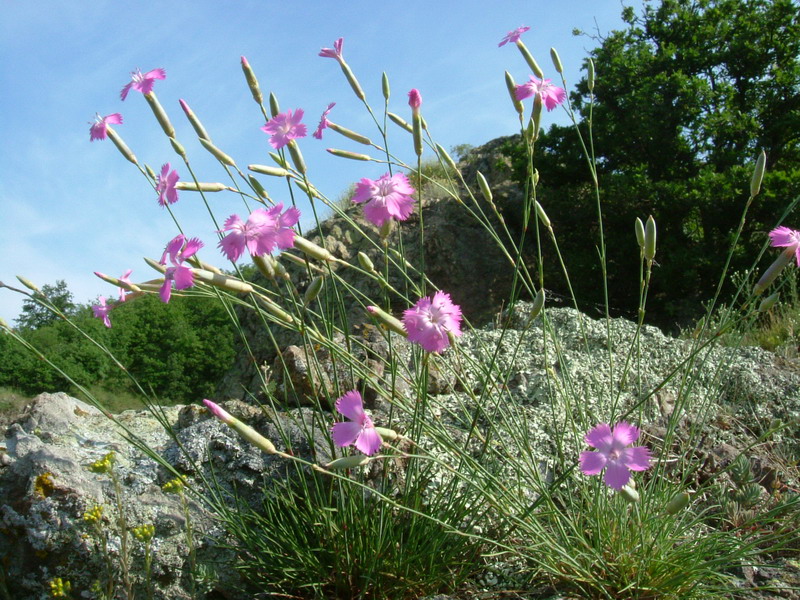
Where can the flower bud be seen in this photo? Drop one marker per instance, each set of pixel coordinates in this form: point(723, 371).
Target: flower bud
point(590, 76)
point(538, 305)
point(416, 130)
point(650, 238)
point(275, 310)
point(190, 186)
point(629, 493)
point(758, 174)
point(351, 79)
point(537, 70)
point(252, 82)
point(772, 272)
point(314, 288)
point(178, 147)
point(308, 188)
point(639, 228)
point(512, 91)
point(348, 155)
point(160, 113)
point(297, 157)
point(257, 187)
point(222, 281)
point(542, 215)
point(366, 262)
point(484, 185)
point(196, 124)
point(389, 435)
point(536, 115)
point(150, 173)
point(446, 157)
point(274, 108)
point(155, 265)
point(388, 320)
point(271, 171)
point(3, 324)
point(556, 61)
point(279, 160)
point(217, 153)
point(311, 249)
point(400, 121)
point(266, 265)
point(356, 137)
point(29, 284)
point(251, 436)
point(121, 146)
point(348, 462)
point(385, 86)
point(677, 503)
point(768, 302)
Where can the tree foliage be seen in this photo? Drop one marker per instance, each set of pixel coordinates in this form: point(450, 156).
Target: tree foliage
point(686, 96)
point(35, 315)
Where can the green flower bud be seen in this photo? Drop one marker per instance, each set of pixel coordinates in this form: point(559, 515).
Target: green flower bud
point(356, 137)
point(484, 185)
point(349, 155)
point(390, 435)
point(252, 82)
point(297, 157)
point(542, 215)
point(121, 146)
point(639, 229)
point(274, 108)
point(677, 503)
point(348, 462)
point(446, 157)
point(217, 153)
point(178, 147)
point(556, 61)
point(758, 174)
point(537, 70)
point(650, 238)
point(279, 160)
point(629, 493)
point(768, 302)
point(190, 186)
point(160, 113)
point(222, 281)
point(388, 320)
point(538, 305)
point(314, 288)
point(385, 86)
point(257, 187)
point(311, 249)
point(511, 86)
point(366, 262)
point(271, 171)
point(590, 77)
point(400, 121)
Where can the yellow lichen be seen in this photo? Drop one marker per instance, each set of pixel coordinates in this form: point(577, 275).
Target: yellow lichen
point(44, 486)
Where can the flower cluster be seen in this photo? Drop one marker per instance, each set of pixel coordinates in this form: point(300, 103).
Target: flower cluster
point(264, 230)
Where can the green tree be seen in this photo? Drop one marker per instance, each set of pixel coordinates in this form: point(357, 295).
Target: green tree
point(36, 314)
point(685, 98)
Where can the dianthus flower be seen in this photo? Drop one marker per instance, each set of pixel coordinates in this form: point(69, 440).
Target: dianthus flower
point(386, 198)
point(551, 94)
point(335, 52)
point(784, 237)
point(99, 128)
point(513, 36)
point(613, 455)
point(102, 310)
point(359, 430)
point(430, 320)
point(178, 250)
point(323, 121)
point(165, 185)
point(126, 279)
point(285, 127)
point(142, 82)
point(264, 230)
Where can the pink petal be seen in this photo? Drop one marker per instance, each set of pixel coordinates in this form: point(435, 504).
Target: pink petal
point(345, 433)
point(173, 247)
point(156, 74)
point(592, 462)
point(784, 236)
point(184, 278)
point(637, 458)
point(114, 119)
point(232, 246)
point(124, 93)
point(616, 475)
point(166, 289)
point(376, 214)
point(369, 441)
point(624, 433)
point(351, 405)
point(290, 217)
point(526, 90)
point(192, 246)
point(599, 436)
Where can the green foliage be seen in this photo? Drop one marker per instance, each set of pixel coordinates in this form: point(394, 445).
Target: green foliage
point(178, 350)
point(34, 315)
point(685, 99)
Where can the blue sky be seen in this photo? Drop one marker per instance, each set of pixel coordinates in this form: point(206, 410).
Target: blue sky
point(69, 207)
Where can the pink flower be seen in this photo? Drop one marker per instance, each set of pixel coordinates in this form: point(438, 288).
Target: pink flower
point(178, 250)
point(788, 238)
point(102, 310)
point(335, 52)
point(513, 36)
point(285, 127)
point(323, 121)
point(126, 278)
point(359, 430)
point(165, 186)
point(430, 320)
point(551, 95)
point(100, 126)
point(613, 455)
point(263, 231)
point(142, 83)
point(218, 412)
point(414, 100)
point(388, 197)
